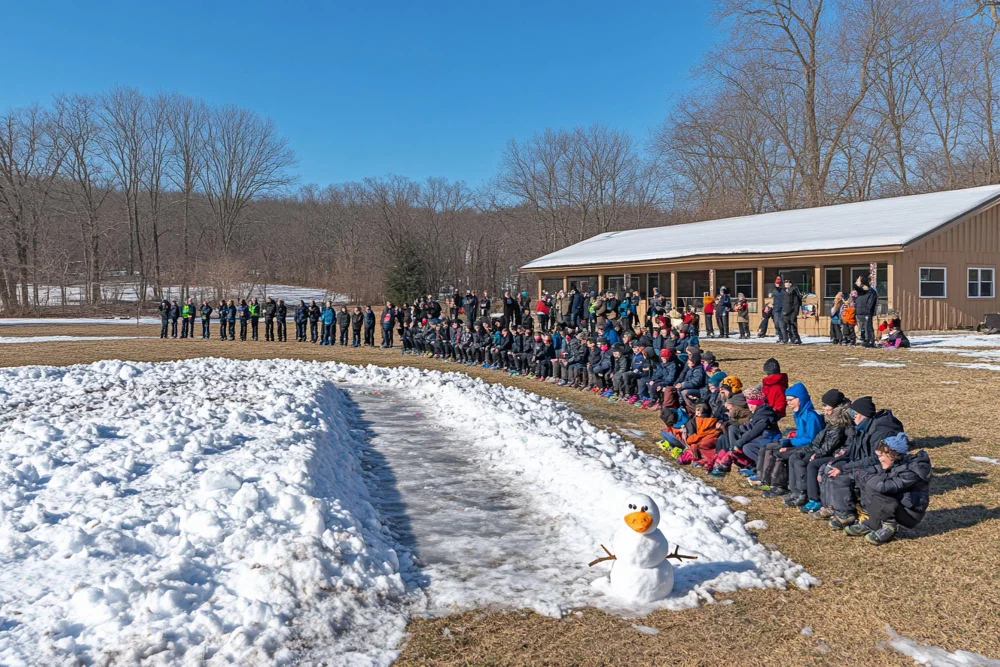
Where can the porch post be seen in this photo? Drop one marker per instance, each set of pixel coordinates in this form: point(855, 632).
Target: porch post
point(673, 288)
point(760, 290)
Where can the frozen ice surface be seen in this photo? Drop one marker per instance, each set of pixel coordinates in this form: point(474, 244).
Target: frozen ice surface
point(933, 656)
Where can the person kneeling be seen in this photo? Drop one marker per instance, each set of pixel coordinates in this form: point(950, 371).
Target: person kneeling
point(895, 492)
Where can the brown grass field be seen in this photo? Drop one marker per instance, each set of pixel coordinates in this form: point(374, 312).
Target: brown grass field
point(939, 583)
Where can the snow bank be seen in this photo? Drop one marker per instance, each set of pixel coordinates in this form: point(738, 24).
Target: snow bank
point(150, 514)
point(217, 510)
point(580, 475)
point(44, 321)
point(925, 654)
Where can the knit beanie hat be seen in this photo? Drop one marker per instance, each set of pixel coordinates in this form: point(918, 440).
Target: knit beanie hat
point(734, 384)
point(715, 378)
point(738, 400)
point(771, 366)
point(666, 352)
point(898, 443)
point(833, 398)
point(864, 406)
point(754, 396)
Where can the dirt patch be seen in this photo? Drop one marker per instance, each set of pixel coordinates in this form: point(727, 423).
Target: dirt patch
point(938, 584)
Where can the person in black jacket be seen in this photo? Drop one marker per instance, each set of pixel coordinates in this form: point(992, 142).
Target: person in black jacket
point(790, 307)
point(895, 491)
point(270, 310)
point(805, 462)
point(369, 326)
point(777, 307)
point(231, 307)
point(281, 315)
point(865, 309)
point(314, 313)
point(223, 318)
point(175, 314)
point(301, 319)
point(206, 319)
point(357, 322)
point(164, 317)
point(511, 311)
point(838, 489)
point(344, 322)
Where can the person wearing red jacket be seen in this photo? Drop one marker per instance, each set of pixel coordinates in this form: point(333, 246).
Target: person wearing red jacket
point(542, 309)
point(774, 385)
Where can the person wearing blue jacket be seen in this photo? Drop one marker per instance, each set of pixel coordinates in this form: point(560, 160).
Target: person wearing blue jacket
point(328, 317)
point(206, 320)
point(774, 459)
point(223, 311)
point(692, 379)
point(610, 333)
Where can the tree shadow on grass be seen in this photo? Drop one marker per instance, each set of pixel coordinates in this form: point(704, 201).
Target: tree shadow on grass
point(934, 441)
point(938, 522)
point(941, 483)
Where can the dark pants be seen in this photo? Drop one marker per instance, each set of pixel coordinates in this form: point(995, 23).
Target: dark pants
point(343, 335)
point(223, 324)
point(164, 328)
point(847, 333)
point(268, 329)
point(836, 333)
point(882, 508)
point(355, 337)
point(779, 327)
point(173, 328)
point(282, 329)
point(744, 329)
point(313, 330)
point(709, 331)
point(232, 330)
point(370, 335)
point(387, 336)
point(253, 327)
point(329, 333)
point(791, 326)
point(205, 326)
point(243, 330)
point(300, 331)
point(184, 328)
point(867, 330)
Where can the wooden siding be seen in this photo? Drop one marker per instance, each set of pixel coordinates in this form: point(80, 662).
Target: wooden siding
point(972, 242)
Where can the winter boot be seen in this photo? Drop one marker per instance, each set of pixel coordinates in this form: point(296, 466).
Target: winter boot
point(826, 512)
point(884, 534)
point(796, 500)
point(859, 529)
point(811, 506)
point(775, 491)
point(839, 522)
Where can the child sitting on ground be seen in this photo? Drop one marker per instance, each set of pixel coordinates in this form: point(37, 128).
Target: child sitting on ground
point(894, 492)
point(702, 439)
point(896, 339)
point(760, 429)
point(774, 385)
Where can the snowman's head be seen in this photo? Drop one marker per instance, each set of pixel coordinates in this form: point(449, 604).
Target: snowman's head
point(641, 513)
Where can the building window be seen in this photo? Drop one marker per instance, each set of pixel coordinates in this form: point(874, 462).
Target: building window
point(801, 278)
point(833, 281)
point(743, 283)
point(552, 285)
point(583, 284)
point(933, 281)
point(981, 283)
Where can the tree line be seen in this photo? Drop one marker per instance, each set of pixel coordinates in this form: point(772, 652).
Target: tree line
point(801, 103)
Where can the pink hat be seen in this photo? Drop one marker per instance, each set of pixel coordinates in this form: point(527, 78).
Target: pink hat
point(754, 396)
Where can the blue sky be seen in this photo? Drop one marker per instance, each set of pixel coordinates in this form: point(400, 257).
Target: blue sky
point(365, 89)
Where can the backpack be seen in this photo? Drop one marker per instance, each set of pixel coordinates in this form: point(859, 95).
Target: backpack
point(847, 315)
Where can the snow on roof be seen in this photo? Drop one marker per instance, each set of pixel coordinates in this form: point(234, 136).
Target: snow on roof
point(881, 222)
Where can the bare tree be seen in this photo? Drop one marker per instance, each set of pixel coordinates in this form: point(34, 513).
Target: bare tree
point(186, 118)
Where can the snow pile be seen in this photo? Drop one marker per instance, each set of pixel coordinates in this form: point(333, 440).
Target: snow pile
point(47, 321)
point(985, 459)
point(925, 654)
point(150, 513)
point(578, 477)
point(230, 511)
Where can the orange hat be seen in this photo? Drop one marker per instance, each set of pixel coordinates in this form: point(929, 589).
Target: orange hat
point(734, 384)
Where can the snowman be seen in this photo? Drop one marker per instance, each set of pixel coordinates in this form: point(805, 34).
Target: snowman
point(641, 571)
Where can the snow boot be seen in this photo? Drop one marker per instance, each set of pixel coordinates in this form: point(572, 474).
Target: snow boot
point(718, 472)
point(839, 522)
point(859, 529)
point(775, 491)
point(676, 452)
point(811, 506)
point(796, 500)
point(883, 535)
point(825, 512)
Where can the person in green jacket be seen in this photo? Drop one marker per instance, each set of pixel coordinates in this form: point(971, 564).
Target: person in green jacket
point(254, 317)
point(187, 318)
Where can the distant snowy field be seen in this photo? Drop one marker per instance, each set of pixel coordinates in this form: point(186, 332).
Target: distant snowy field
point(52, 295)
point(249, 512)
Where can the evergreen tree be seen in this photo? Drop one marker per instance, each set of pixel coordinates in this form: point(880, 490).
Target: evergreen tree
point(407, 277)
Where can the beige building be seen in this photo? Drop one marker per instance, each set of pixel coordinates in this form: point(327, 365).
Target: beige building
point(934, 258)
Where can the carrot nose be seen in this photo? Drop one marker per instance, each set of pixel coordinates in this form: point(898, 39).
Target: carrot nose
point(638, 521)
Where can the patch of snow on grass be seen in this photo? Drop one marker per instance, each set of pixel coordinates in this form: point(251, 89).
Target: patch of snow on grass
point(985, 459)
point(925, 654)
point(977, 367)
point(63, 339)
point(880, 364)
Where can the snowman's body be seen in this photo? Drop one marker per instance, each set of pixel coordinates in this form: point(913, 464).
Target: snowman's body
point(641, 571)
